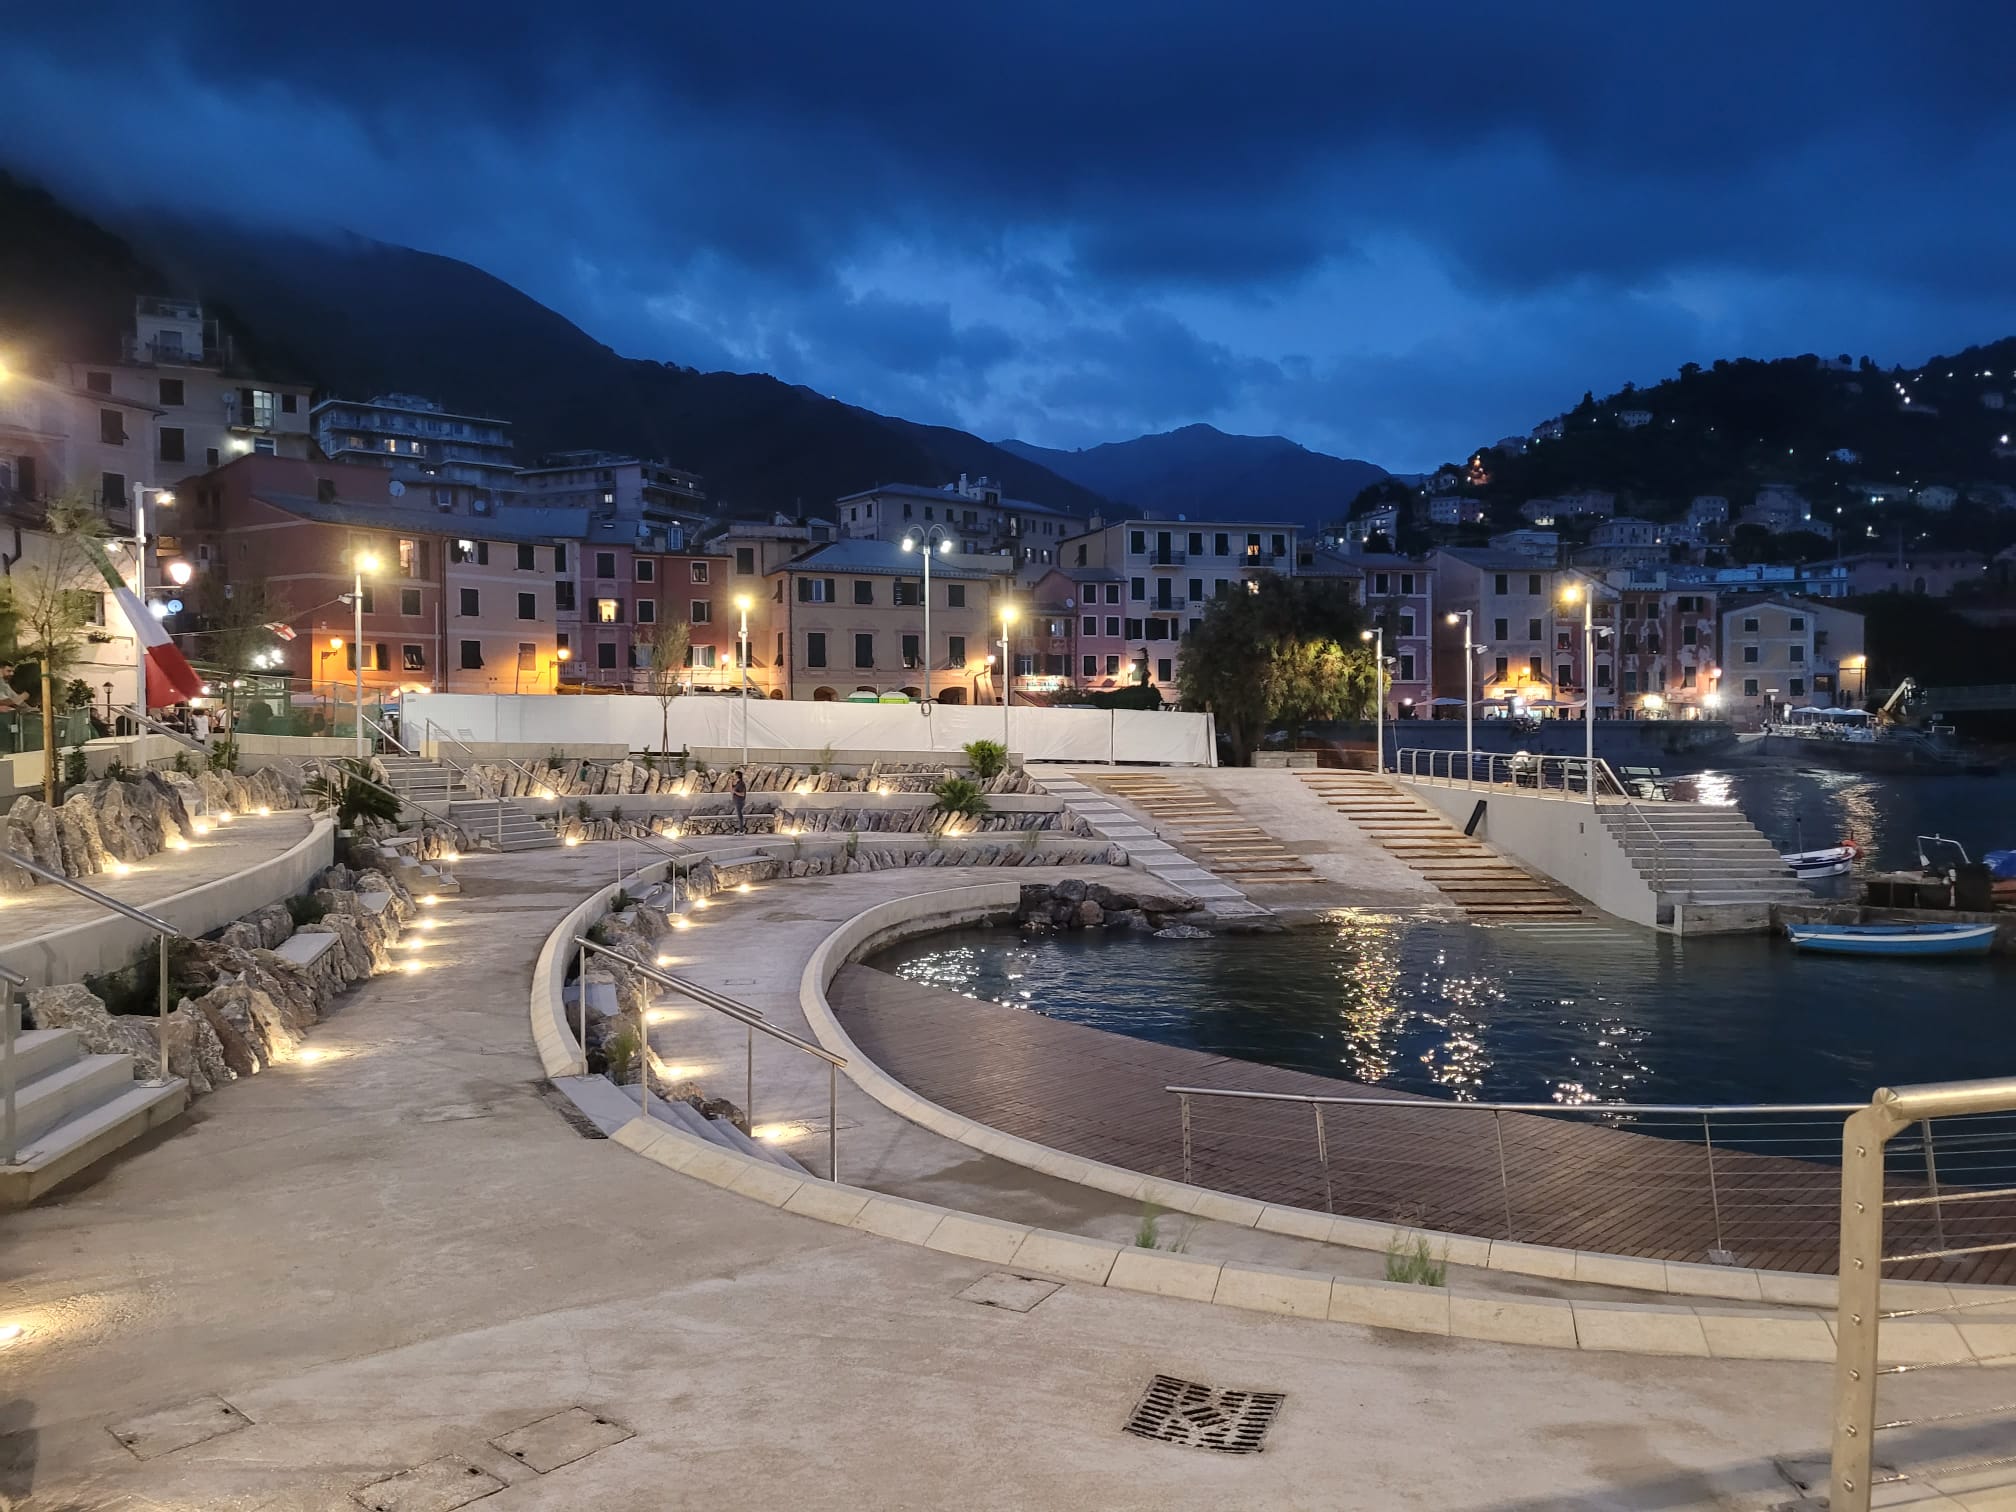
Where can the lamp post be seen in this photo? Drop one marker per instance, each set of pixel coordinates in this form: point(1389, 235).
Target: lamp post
point(1572, 593)
point(561, 655)
point(742, 602)
point(361, 562)
point(933, 538)
point(167, 496)
point(1378, 639)
point(1007, 669)
point(1469, 700)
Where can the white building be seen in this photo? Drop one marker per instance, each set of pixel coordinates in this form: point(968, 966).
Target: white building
point(1634, 419)
point(1383, 521)
point(464, 462)
point(1454, 509)
point(659, 500)
point(1535, 545)
point(1779, 509)
point(1708, 511)
point(1937, 496)
point(974, 513)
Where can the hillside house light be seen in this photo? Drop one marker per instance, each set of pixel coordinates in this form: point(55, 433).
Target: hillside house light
point(933, 539)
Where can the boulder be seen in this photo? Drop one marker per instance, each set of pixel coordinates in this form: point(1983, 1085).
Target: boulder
point(1090, 915)
point(241, 934)
point(1182, 932)
point(1128, 918)
point(74, 1006)
point(194, 1051)
point(223, 1008)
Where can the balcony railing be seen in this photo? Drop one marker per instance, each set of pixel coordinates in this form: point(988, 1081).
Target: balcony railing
point(1167, 557)
point(172, 353)
point(1171, 605)
point(1253, 557)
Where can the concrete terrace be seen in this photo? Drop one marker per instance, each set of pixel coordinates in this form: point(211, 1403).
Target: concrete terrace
point(377, 1262)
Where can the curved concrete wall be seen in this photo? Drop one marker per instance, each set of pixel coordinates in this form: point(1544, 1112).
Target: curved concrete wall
point(110, 941)
point(560, 1050)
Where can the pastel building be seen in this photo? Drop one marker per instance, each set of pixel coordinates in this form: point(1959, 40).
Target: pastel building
point(973, 513)
point(1399, 598)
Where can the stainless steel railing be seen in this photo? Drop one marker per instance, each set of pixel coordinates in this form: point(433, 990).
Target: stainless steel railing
point(11, 982)
point(1714, 1181)
point(752, 1022)
point(330, 771)
point(1945, 1205)
point(164, 932)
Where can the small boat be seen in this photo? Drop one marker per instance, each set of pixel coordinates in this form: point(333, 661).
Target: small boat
point(1893, 939)
point(1834, 861)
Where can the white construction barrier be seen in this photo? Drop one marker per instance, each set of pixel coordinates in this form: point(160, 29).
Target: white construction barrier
point(566, 722)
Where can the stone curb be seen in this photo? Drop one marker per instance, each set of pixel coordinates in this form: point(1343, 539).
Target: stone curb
point(901, 917)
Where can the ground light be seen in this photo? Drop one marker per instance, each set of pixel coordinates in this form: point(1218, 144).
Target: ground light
point(680, 921)
point(770, 1131)
point(744, 887)
point(11, 1334)
point(176, 842)
point(429, 900)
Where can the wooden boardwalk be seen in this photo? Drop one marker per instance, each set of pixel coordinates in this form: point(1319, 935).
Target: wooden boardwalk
point(1570, 1182)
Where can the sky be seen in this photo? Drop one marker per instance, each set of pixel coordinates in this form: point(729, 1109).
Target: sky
point(1386, 231)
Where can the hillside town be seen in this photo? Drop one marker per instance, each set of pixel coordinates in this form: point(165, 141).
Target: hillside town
point(480, 571)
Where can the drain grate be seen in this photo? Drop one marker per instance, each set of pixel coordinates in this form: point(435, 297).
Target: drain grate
point(1204, 1417)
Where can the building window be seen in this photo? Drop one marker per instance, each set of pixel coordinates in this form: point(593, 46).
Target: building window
point(1749, 687)
point(1137, 589)
point(1196, 590)
point(409, 602)
point(1750, 655)
point(370, 599)
point(906, 595)
point(98, 383)
point(528, 606)
point(815, 649)
point(1407, 583)
point(647, 611)
point(471, 603)
point(605, 656)
point(472, 655)
point(171, 443)
point(1112, 666)
point(745, 561)
point(1221, 544)
point(414, 657)
point(647, 570)
point(605, 564)
point(608, 611)
point(910, 653)
point(1137, 542)
point(1406, 621)
point(1750, 625)
point(1381, 583)
point(1533, 629)
point(1132, 630)
point(1798, 622)
point(1406, 666)
point(1689, 636)
point(1796, 654)
point(1630, 680)
point(559, 558)
point(526, 561)
point(563, 596)
point(864, 591)
point(700, 656)
point(1113, 625)
point(955, 595)
point(562, 641)
point(1501, 629)
point(1091, 666)
point(955, 651)
point(1533, 669)
point(408, 555)
point(1504, 670)
point(266, 446)
point(1163, 668)
point(111, 427)
point(864, 651)
point(1501, 584)
point(1602, 674)
point(1089, 625)
point(815, 590)
point(699, 572)
point(1686, 677)
point(288, 404)
point(1533, 584)
point(1797, 687)
point(700, 612)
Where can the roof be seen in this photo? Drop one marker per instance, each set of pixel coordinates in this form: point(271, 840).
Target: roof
point(1089, 574)
point(948, 496)
point(510, 523)
point(1383, 561)
point(877, 559)
point(1494, 561)
point(1330, 564)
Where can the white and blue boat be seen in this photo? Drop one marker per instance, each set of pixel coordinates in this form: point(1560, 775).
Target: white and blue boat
point(1894, 939)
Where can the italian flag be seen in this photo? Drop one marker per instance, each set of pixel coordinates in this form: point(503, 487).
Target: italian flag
point(170, 678)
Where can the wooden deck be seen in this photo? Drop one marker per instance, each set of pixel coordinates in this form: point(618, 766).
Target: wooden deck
point(1577, 1184)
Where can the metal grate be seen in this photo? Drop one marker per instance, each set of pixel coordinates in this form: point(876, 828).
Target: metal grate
point(1203, 1417)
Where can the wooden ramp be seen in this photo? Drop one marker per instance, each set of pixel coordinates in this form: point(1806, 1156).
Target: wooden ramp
point(1466, 871)
point(1203, 826)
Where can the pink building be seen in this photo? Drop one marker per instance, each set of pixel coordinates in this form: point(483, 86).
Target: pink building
point(1089, 600)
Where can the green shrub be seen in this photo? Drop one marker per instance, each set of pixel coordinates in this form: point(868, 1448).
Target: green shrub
point(853, 843)
point(349, 790)
point(961, 796)
point(224, 756)
point(620, 1051)
point(987, 758)
point(1145, 1231)
point(77, 694)
point(1413, 1264)
point(182, 766)
point(616, 814)
point(75, 768)
point(823, 760)
point(581, 810)
point(306, 908)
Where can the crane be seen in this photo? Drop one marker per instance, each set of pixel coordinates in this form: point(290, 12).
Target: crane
point(1893, 708)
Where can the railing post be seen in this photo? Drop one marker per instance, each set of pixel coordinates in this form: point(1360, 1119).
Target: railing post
point(1714, 1192)
point(643, 1062)
point(832, 1122)
point(749, 1078)
point(8, 1123)
point(161, 1017)
point(1323, 1159)
point(1183, 1103)
point(581, 1001)
point(1856, 1322)
point(1504, 1183)
point(1932, 1181)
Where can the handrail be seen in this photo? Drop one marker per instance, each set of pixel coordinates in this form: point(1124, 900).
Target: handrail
point(1858, 1359)
point(163, 932)
point(751, 1020)
point(321, 762)
point(159, 728)
point(392, 739)
point(1507, 1107)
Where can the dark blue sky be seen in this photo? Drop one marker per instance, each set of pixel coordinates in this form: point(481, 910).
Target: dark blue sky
point(1386, 231)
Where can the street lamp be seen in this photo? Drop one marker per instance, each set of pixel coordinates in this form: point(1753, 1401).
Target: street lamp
point(561, 654)
point(1007, 669)
point(179, 573)
point(1575, 593)
point(1469, 700)
point(167, 497)
point(361, 562)
point(934, 537)
point(742, 603)
point(1378, 639)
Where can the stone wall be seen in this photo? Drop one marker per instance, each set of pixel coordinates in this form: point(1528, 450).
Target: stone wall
point(593, 779)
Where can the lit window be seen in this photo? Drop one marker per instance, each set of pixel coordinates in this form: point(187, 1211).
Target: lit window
point(608, 611)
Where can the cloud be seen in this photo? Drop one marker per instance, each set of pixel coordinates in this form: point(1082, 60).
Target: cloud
point(1394, 231)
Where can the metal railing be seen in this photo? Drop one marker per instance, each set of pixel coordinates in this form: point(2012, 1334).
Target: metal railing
point(1703, 1181)
point(188, 742)
point(10, 1031)
point(164, 932)
point(753, 1024)
point(1947, 1204)
point(1560, 777)
point(328, 769)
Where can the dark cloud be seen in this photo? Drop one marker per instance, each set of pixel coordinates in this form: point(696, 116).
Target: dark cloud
point(1389, 230)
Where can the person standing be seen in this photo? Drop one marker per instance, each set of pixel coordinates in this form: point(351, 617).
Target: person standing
point(199, 726)
point(739, 790)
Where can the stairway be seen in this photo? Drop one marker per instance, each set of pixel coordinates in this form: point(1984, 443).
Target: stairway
point(504, 822)
point(1702, 854)
point(73, 1109)
point(1235, 848)
point(1466, 871)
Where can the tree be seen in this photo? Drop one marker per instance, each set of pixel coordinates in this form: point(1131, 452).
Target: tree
point(666, 649)
point(234, 634)
point(1289, 652)
point(50, 601)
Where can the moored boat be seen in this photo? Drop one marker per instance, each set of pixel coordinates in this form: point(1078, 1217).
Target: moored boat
point(1893, 939)
point(1834, 861)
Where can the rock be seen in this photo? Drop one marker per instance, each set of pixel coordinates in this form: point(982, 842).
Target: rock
point(194, 1052)
point(240, 935)
point(1182, 932)
point(74, 1006)
point(223, 1007)
point(1127, 918)
point(273, 922)
point(1090, 915)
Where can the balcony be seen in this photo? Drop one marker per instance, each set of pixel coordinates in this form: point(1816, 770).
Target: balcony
point(1170, 605)
point(1167, 558)
point(1254, 557)
point(169, 353)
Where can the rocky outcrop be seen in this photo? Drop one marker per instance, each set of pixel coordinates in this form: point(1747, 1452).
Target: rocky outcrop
point(194, 1051)
point(1074, 904)
point(570, 778)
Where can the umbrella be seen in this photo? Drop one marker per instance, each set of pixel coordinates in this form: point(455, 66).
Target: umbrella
point(902, 698)
point(863, 698)
point(1449, 703)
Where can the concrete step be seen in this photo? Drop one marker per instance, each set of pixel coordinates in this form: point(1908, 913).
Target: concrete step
point(78, 1142)
point(69, 1089)
point(38, 1052)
